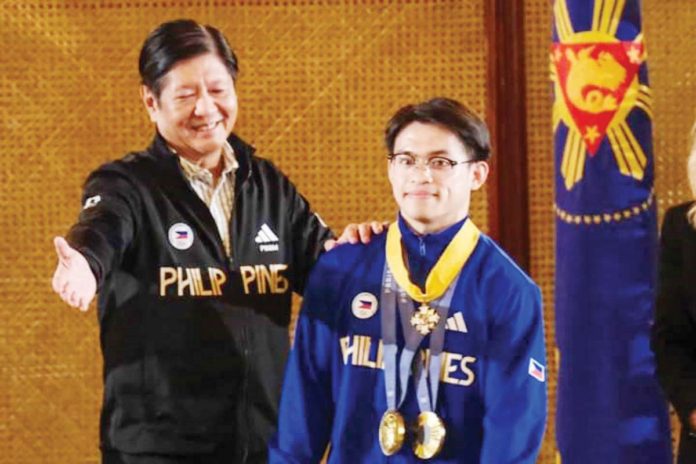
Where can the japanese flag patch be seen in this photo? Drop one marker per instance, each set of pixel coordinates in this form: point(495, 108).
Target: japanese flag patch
point(92, 201)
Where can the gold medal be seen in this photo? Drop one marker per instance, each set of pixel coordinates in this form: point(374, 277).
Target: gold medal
point(392, 432)
point(425, 319)
point(430, 435)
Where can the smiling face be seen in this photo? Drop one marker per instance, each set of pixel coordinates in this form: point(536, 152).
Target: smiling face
point(197, 107)
point(431, 200)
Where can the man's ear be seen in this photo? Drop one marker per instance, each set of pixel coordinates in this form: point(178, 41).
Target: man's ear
point(150, 102)
point(480, 173)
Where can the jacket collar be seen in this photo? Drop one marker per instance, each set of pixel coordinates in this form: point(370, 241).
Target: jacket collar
point(242, 150)
point(171, 180)
point(423, 251)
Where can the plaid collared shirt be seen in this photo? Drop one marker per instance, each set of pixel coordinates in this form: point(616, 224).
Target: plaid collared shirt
point(218, 196)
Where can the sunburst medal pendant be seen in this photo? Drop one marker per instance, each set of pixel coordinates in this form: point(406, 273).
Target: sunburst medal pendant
point(425, 319)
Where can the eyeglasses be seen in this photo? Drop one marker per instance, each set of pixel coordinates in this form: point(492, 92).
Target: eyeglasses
point(406, 162)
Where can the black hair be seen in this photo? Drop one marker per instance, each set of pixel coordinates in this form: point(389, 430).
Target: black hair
point(179, 40)
point(451, 115)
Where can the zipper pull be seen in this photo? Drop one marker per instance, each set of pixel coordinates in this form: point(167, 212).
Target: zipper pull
point(421, 246)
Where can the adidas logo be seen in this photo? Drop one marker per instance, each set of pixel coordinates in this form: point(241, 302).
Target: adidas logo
point(456, 323)
point(267, 239)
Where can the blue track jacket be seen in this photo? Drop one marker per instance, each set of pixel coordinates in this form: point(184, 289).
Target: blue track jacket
point(492, 394)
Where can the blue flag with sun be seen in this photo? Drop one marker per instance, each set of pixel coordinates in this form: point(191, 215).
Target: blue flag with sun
point(610, 408)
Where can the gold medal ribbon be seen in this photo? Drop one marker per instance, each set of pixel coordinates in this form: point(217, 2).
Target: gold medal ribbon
point(445, 270)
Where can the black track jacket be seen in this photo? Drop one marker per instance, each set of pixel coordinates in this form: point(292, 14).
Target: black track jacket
point(194, 342)
point(674, 331)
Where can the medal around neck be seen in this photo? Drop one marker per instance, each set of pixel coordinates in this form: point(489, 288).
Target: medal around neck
point(392, 432)
point(430, 435)
point(425, 319)
point(440, 277)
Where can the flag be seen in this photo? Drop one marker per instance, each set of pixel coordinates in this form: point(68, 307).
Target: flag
point(364, 304)
point(537, 370)
point(610, 408)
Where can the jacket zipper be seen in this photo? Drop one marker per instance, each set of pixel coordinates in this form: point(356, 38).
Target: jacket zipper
point(245, 337)
point(245, 388)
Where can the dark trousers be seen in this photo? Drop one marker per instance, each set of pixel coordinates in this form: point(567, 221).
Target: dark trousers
point(222, 455)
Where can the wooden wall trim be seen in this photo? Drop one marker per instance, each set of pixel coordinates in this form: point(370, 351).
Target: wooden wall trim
point(507, 119)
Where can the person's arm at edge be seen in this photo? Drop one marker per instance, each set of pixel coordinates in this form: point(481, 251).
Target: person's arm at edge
point(673, 333)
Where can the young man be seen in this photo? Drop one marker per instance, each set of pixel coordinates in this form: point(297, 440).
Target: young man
point(428, 342)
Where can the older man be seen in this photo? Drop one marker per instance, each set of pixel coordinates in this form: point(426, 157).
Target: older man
point(195, 245)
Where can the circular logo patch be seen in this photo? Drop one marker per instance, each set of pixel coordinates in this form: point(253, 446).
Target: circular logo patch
point(181, 236)
point(364, 305)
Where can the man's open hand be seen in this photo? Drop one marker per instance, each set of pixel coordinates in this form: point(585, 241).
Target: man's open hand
point(73, 279)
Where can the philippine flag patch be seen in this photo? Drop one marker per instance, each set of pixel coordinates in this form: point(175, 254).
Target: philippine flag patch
point(364, 305)
point(537, 370)
point(180, 236)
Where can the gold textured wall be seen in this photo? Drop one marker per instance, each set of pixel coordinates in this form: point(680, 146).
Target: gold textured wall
point(669, 29)
point(318, 82)
point(668, 26)
point(540, 169)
